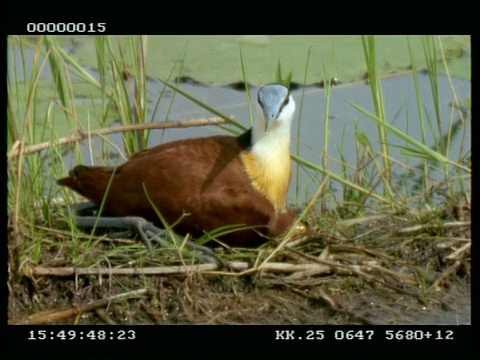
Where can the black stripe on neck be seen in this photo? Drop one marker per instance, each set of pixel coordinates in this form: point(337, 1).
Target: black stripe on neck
point(245, 140)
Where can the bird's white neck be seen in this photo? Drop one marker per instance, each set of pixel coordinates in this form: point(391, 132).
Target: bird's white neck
point(268, 162)
point(272, 144)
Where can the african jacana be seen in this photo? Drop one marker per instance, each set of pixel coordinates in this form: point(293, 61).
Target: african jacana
point(216, 181)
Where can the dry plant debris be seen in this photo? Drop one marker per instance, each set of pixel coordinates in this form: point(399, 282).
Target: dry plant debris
point(395, 274)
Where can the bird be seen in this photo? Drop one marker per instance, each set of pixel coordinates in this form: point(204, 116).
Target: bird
point(205, 183)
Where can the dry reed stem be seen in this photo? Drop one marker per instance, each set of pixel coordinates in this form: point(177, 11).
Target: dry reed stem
point(181, 269)
point(104, 317)
point(297, 270)
point(359, 270)
point(457, 254)
point(450, 270)
point(80, 135)
point(58, 315)
point(416, 228)
point(361, 220)
point(16, 201)
point(331, 303)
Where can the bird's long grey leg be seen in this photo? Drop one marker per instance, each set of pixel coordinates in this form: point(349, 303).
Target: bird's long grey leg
point(208, 256)
point(131, 223)
point(145, 229)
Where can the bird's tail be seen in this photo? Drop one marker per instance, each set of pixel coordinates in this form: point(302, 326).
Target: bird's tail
point(89, 181)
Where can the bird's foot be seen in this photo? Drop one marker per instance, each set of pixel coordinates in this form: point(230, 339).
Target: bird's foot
point(145, 229)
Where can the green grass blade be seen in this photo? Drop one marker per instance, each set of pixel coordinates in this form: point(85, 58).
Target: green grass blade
point(422, 148)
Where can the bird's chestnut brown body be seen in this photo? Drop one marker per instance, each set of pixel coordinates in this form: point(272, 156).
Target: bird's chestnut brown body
point(203, 178)
point(213, 181)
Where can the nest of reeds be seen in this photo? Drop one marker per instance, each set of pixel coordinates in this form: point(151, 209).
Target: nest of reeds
point(373, 270)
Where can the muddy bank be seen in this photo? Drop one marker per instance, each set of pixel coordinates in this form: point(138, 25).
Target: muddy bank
point(373, 270)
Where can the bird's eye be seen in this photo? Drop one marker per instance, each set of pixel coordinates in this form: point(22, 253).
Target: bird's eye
point(285, 103)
